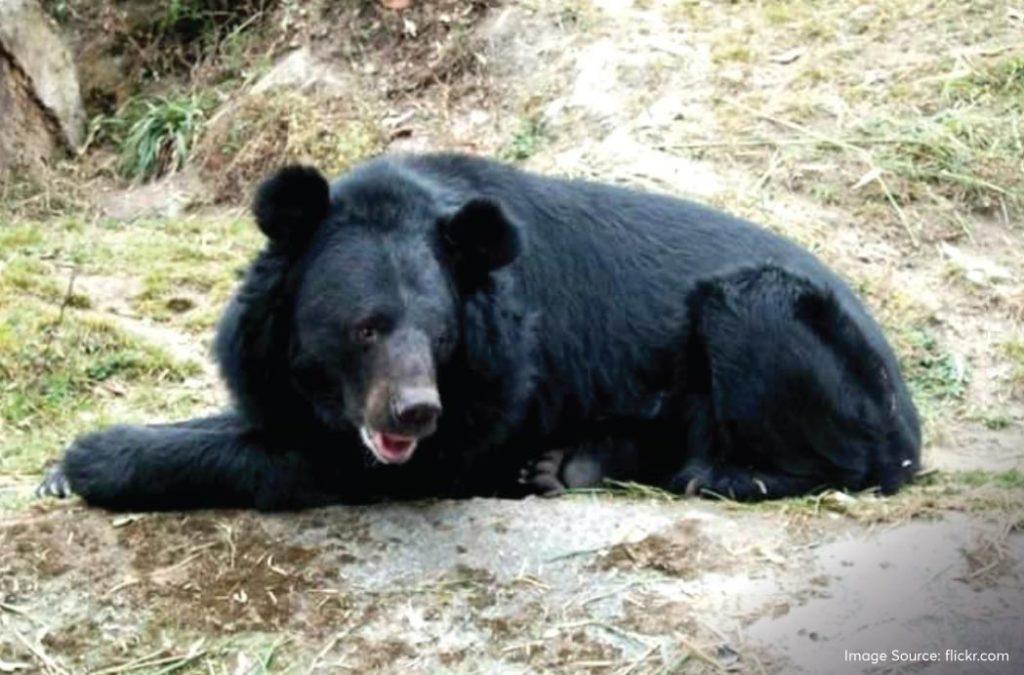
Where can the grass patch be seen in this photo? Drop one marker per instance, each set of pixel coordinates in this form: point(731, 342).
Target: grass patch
point(179, 272)
point(154, 136)
point(1010, 480)
point(56, 366)
point(188, 269)
point(952, 140)
point(39, 193)
point(937, 378)
point(995, 421)
point(736, 49)
point(15, 498)
point(30, 277)
point(998, 83)
point(64, 371)
point(969, 158)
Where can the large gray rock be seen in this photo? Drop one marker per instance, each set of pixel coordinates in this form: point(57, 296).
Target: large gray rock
point(40, 103)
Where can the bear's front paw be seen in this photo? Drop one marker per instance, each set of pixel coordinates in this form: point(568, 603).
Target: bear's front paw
point(54, 483)
point(543, 475)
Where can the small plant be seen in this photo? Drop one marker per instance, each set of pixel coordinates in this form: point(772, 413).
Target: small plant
point(529, 139)
point(155, 136)
point(935, 376)
point(181, 11)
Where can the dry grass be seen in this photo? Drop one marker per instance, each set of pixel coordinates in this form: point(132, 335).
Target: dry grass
point(984, 493)
point(262, 131)
point(42, 192)
point(813, 90)
point(991, 557)
point(932, 494)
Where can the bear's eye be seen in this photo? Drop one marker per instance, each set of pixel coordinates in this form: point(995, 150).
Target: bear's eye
point(366, 334)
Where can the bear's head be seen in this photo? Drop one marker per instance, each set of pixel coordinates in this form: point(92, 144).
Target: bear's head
point(358, 303)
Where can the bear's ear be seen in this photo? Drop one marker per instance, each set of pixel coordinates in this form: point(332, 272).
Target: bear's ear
point(479, 238)
point(290, 204)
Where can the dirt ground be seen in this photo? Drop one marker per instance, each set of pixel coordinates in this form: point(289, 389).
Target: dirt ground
point(764, 109)
point(580, 584)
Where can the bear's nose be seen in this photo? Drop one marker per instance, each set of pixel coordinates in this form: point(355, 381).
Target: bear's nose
point(417, 409)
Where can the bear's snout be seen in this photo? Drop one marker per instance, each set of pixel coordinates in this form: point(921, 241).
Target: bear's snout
point(416, 409)
point(397, 418)
point(403, 397)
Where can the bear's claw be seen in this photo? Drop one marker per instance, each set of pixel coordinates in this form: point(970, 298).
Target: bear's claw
point(54, 483)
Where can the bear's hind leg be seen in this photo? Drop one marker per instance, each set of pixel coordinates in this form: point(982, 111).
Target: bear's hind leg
point(787, 391)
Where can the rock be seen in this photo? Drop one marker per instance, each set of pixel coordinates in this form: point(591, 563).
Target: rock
point(40, 101)
point(26, 137)
point(302, 70)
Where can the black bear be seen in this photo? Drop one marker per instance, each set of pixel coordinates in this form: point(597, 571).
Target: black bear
point(444, 325)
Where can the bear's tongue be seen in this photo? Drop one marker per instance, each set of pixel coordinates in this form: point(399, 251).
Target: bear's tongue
point(392, 448)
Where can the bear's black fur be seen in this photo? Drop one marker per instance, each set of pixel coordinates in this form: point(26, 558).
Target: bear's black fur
point(529, 333)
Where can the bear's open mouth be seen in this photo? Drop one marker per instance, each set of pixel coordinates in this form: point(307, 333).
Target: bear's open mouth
point(388, 448)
